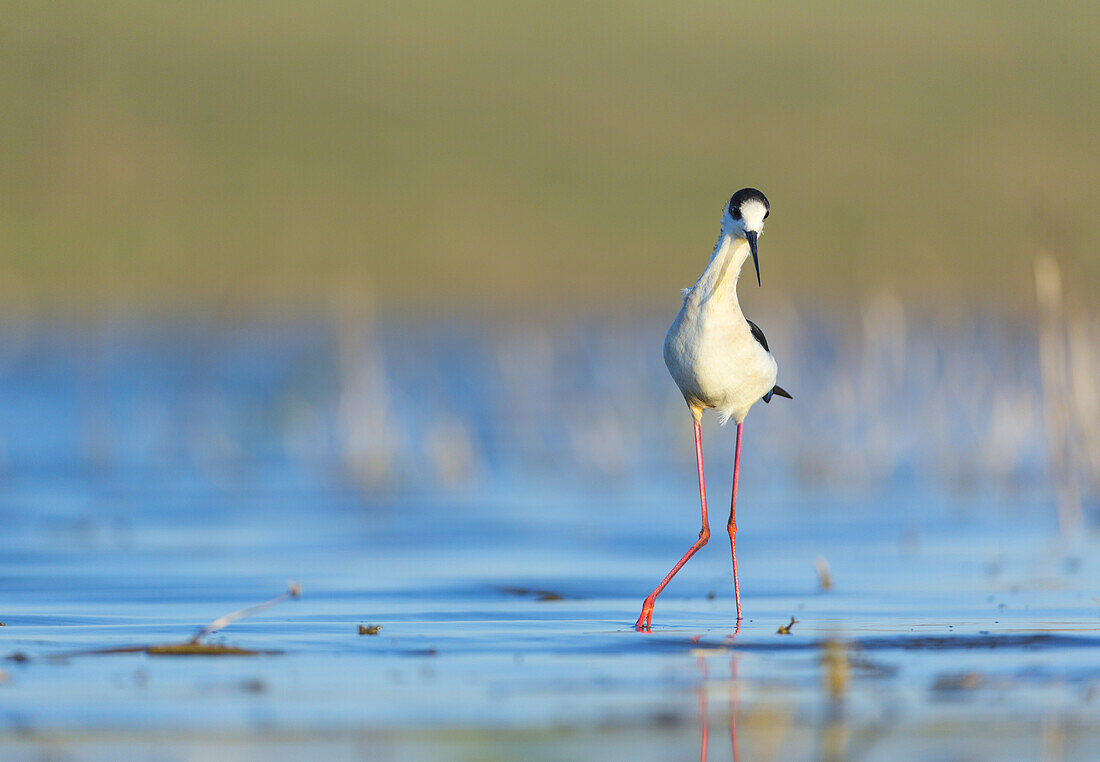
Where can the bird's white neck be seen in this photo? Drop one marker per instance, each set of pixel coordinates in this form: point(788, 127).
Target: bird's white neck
point(719, 281)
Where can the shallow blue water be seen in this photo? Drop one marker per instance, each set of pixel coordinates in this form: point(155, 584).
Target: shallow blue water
point(434, 479)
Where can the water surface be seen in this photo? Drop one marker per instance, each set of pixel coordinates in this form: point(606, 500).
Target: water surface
point(500, 502)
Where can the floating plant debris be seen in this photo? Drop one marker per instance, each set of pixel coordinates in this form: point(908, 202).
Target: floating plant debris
point(541, 595)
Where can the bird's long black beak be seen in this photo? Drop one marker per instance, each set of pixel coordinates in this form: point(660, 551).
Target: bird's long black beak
point(751, 235)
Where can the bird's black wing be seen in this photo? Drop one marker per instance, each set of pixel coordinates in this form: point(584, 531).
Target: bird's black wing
point(758, 335)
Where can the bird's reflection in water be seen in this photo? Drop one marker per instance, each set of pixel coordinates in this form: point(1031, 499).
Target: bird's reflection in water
point(733, 705)
point(704, 716)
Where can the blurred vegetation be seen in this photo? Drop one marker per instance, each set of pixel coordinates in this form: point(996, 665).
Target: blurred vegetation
point(257, 155)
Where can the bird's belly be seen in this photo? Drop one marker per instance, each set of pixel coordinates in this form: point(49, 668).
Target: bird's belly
point(718, 368)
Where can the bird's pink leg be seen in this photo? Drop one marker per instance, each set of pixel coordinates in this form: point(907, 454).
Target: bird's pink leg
point(731, 527)
point(704, 535)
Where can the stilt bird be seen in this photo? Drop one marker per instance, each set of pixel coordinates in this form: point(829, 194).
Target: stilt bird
point(719, 359)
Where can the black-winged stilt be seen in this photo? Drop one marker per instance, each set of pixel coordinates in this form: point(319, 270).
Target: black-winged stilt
point(719, 359)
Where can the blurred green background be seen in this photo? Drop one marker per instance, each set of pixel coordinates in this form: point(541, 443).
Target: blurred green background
point(257, 156)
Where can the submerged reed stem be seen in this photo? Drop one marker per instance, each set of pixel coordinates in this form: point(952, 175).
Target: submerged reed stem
point(293, 591)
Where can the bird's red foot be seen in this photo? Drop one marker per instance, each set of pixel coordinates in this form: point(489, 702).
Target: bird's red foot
point(642, 625)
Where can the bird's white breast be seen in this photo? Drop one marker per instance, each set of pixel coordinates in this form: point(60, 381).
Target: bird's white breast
point(711, 353)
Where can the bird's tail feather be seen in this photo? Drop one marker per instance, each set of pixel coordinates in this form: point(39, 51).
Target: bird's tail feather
point(777, 390)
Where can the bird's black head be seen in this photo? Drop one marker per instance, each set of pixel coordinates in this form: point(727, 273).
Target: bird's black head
point(741, 199)
point(746, 213)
